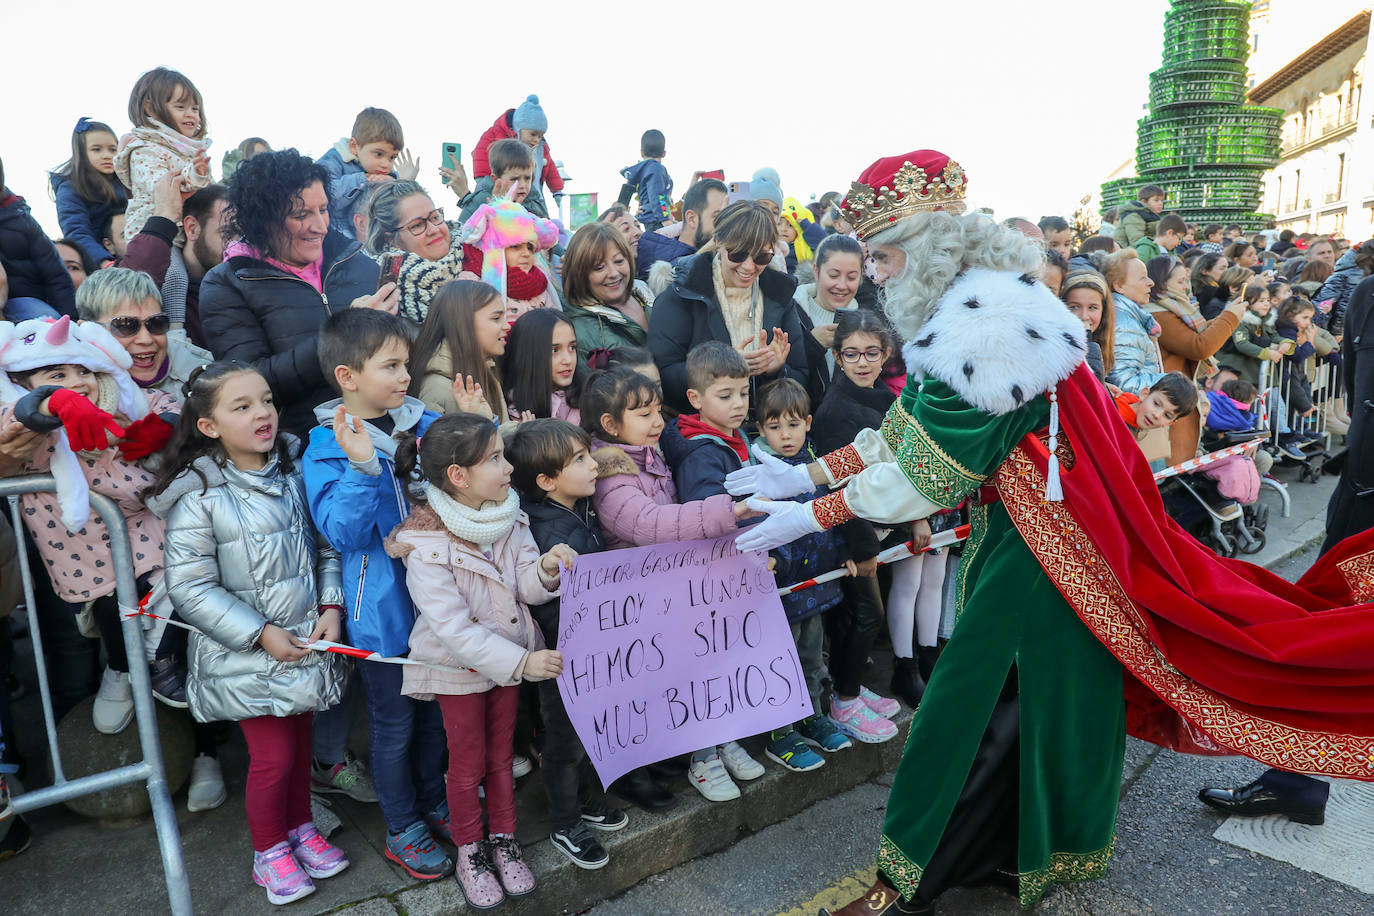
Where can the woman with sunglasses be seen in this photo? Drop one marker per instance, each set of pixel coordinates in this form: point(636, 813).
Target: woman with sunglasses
point(404, 225)
point(128, 304)
point(726, 292)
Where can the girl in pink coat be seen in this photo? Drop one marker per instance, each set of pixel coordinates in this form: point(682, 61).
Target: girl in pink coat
point(473, 569)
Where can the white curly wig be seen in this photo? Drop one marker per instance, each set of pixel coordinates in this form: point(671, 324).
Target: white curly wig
point(938, 246)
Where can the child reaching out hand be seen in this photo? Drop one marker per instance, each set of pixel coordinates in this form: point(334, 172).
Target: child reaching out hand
point(473, 569)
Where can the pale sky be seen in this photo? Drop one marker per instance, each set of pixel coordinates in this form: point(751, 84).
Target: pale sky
point(1038, 101)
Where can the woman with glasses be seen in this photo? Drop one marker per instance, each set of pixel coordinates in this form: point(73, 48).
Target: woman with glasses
point(284, 276)
point(403, 224)
point(726, 292)
point(128, 304)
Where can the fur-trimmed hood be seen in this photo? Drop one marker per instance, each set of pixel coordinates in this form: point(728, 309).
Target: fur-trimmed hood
point(998, 339)
point(611, 461)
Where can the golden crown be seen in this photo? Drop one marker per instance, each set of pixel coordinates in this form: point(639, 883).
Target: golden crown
point(912, 191)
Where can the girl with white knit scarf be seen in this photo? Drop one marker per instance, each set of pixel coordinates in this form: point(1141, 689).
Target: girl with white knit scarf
point(473, 569)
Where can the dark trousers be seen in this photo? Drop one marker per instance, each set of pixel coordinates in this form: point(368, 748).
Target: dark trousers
point(564, 775)
point(851, 626)
point(406, 745)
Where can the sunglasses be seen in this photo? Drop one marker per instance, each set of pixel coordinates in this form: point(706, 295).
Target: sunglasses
point(762, 259)
point(128, 326)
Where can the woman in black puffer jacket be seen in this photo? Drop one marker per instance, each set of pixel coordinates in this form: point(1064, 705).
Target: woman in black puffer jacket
point(284, 276)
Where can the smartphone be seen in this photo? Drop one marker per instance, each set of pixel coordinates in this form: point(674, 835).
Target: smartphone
point(452, 156)
point(738, 190)
point(391, 270)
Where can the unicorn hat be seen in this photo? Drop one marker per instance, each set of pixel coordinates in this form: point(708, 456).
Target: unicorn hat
point(499, 224)
point(40, 342)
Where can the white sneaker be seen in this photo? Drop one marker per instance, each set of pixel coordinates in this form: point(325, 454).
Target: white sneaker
point(207, 785)
point(114, 703)
point(521, 766)
point(711, 780)
point(739, 763)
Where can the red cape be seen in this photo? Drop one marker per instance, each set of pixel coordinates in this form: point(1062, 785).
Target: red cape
point(1221, 656)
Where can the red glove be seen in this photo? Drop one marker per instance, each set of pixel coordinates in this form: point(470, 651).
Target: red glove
point(145, 437)
point(85, 423)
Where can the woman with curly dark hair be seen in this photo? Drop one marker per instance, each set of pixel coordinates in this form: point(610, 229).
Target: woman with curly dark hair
point(281, 279)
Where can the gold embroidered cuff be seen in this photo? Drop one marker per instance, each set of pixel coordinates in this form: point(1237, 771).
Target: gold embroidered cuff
point(832, 510)
point(842, 464)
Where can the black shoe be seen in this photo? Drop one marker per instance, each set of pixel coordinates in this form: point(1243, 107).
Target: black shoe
point(578, 844)
point(1257, 799)
point(926, 657)
point(169, 682)
point(600, 816)
point(671, 768)
point(907, 682)
point(639, 787)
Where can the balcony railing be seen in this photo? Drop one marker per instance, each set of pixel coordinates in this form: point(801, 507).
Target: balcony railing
point(1317, 128)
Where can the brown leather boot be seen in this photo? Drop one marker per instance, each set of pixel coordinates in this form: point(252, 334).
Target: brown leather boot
point(881, 900)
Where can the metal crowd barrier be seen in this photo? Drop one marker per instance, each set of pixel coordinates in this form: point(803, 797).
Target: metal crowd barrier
point(150, 770)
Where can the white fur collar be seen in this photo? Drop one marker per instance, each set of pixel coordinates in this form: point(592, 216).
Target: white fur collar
point(998, 339)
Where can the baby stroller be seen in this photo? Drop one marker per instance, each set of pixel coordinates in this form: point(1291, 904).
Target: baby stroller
point(1195, 501)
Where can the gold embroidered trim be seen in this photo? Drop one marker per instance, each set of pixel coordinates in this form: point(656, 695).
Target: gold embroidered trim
point(1062, 868)
point(1080, 572)
point(1358, 572)
point(843, 463)
point(934, 474)
point(832, 510)
point(978, 532)
point(901, 871)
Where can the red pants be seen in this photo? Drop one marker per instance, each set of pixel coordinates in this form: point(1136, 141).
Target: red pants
point(278, 791)
point(480, 729)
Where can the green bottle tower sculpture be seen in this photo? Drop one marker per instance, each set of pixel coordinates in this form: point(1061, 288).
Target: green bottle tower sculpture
point(1207, 149)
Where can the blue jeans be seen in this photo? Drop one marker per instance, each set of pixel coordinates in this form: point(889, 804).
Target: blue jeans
point(329, 735)
point(406, 737)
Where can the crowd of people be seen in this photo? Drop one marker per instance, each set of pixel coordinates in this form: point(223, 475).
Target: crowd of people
point(462, 406)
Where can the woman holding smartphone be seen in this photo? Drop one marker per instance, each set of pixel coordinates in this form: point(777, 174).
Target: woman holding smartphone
point(415, 245)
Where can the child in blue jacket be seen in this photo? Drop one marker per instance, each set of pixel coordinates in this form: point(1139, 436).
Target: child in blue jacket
point(356, 500)
point(649, 180)
point(87, 190)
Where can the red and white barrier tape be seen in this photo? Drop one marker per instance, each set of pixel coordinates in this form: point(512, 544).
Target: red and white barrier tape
point(1202, 461)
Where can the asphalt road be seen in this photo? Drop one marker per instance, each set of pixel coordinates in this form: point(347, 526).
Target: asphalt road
point(1167, 861)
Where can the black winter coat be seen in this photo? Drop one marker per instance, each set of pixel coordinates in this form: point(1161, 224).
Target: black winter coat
point(847, 411)
point(552, 523)
point(1351, 509)
point(687, 313)
point(260, 314)
point(32, 265)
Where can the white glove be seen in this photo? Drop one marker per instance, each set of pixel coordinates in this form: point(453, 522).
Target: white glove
point(786, 522)
point(771, 477)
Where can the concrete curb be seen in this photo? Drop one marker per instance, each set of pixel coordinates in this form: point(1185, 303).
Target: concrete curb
point(695, 827)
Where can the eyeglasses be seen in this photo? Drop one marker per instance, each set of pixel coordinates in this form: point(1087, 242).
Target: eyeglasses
point(762, 259)
point(416, 227)
point(871, 355)
point(127, 326)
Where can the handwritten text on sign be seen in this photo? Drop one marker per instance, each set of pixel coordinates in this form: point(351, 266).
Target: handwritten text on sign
point(674, 648)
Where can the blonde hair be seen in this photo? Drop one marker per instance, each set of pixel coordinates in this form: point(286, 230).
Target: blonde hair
point(938, 245)
point(1114, 267)
point(1235, 276)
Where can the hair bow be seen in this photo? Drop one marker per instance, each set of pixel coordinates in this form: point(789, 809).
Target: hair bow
point(599, 358)
point(83, 124)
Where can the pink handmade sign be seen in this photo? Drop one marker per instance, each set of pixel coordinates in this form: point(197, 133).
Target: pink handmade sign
point(673, 648)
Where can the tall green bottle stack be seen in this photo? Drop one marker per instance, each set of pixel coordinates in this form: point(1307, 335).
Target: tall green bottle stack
point(1207, 149)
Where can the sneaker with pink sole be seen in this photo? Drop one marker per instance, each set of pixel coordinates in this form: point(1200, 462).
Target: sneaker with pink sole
point(516, 877)
point(319, 857)
point(277, 870)
point(883, 706)
point(857, 720)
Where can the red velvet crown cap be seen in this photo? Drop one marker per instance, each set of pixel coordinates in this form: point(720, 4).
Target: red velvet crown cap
point(896, 187)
